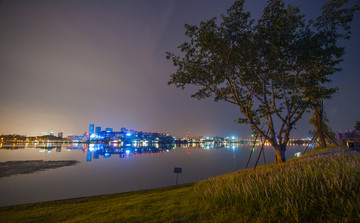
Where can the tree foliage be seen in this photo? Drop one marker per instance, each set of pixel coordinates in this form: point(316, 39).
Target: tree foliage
point(272, 69)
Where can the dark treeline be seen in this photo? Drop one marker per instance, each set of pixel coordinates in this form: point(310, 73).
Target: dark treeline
point(16, 137)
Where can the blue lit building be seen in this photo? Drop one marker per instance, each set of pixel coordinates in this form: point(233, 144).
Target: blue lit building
point(128, 136)
point(91, 129)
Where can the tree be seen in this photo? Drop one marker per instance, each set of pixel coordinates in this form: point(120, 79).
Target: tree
point(320, 122)
point(273, 69)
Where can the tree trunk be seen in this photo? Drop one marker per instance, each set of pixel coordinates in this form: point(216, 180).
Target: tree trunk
point(319, 127)
point(280, 154)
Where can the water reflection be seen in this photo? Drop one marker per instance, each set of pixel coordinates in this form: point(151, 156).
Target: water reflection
point(95, 151)
point(13, 146)
point(125, 149)
point(121, 150)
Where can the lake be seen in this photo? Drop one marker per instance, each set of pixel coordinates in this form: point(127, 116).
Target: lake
point(105, 170)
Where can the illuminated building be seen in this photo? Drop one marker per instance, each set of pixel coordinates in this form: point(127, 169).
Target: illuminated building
point(91, 129)
point(74, 138)
point(128, 136)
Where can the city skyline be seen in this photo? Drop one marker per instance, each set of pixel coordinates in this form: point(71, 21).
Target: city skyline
point(65, 64)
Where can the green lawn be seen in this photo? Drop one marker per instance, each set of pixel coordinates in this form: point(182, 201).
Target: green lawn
point(320, 187)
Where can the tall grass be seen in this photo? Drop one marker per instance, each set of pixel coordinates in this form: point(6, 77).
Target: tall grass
point(320, 187)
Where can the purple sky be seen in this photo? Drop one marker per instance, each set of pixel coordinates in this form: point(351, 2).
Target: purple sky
point(65, 64)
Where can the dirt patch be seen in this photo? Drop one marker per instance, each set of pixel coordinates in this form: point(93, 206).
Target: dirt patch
point(10, 168)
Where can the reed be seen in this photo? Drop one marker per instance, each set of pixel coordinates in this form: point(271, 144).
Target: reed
point(320, 187)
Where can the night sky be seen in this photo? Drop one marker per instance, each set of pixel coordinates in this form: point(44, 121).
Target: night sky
point(67, 63)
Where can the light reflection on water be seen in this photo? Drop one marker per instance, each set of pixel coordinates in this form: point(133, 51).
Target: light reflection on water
point(105, 169)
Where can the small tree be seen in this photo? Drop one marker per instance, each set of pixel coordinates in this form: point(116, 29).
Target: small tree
point(273, 70)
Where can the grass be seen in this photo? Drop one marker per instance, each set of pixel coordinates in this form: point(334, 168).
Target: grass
point(322, 186)
point(164, 205)
point(319, 187)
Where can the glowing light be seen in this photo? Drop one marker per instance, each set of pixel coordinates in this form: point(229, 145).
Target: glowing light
point(91, 147)
point(127, 151)
point(128, 134)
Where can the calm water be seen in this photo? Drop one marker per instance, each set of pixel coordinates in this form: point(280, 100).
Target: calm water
point(104, 170)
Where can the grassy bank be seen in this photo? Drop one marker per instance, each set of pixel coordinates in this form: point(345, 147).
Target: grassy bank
point(320, 187)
